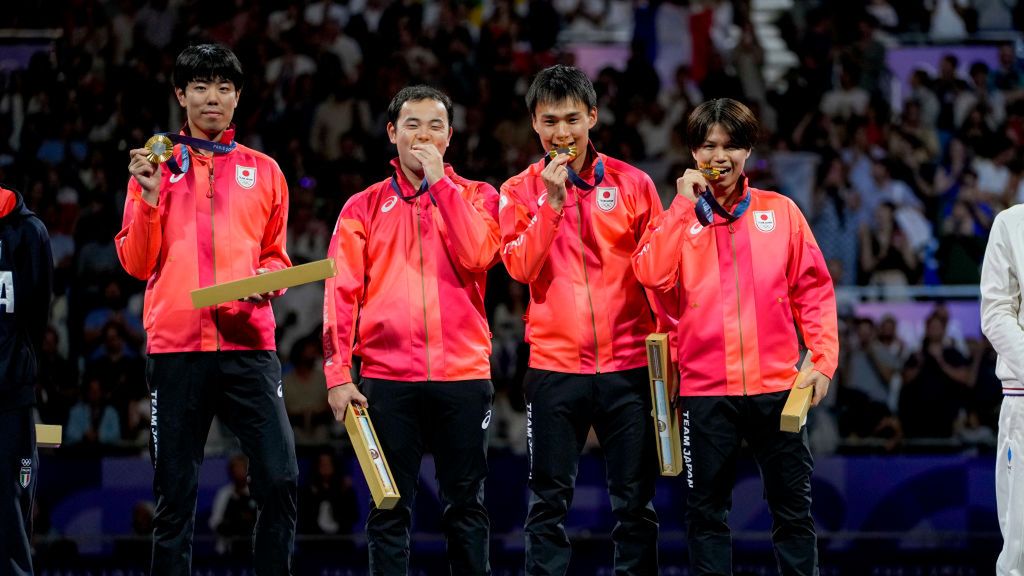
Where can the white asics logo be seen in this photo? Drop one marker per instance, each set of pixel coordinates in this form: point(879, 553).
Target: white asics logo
point(487, 421)
point(280, 390)
point(389, 204)
point(175, 177)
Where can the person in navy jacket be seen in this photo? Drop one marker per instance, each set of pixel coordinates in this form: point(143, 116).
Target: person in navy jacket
point(26, 283)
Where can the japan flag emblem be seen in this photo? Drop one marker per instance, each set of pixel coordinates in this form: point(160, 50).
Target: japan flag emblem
point(764, 220)
point(606, 198)
point(245, 176)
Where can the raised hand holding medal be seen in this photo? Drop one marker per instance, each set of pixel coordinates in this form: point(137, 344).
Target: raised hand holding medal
point(554, 176)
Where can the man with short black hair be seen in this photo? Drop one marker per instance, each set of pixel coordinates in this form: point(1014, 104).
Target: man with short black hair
point(219, 213)
point(569, 223)
point(412, 253)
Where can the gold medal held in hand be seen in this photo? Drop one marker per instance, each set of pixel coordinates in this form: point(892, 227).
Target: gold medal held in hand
point(571, 151)
point(160, 149)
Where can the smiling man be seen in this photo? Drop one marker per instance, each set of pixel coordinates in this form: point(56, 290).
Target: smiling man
point(569, 223)
point(412, 254)
point(216, 213)
point(745, 266)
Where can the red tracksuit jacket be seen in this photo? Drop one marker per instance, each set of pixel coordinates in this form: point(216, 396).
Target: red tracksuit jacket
point(220, 221)
point(409, 294)
point(588, 313)
point(741, 286)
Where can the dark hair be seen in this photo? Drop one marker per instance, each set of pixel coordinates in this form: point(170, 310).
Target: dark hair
point(415, 94)
point(734, 117)
point(207, 63)
point(560, 82)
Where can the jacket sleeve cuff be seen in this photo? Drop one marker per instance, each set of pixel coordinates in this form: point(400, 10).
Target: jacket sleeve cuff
point(825, 366)
point(549, 214)
point(147, 211)
point(443, 189)
point(338, 376)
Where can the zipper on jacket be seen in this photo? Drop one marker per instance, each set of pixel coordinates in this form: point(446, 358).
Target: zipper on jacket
point(586, 280)
point(739, 317)
point(213, 250)
point(423, 287)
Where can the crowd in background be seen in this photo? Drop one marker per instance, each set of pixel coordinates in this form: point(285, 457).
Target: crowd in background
point(900, 191)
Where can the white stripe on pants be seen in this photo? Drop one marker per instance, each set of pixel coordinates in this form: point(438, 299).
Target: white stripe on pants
point(1010, 486)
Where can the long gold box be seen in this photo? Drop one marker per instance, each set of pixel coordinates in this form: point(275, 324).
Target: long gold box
point(263, 283)
point(794, 413)
point(48, 435)
point(371, 457)
point(664, 414)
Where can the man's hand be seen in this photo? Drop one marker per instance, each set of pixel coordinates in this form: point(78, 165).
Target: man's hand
point(146, 173)
point(554, 175)
point(820, 383)
point(431, 160)
point(257, 298)
point(691, 184)
point(340, 397)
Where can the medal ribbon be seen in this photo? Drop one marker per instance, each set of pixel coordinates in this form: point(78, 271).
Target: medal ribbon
point(208, 145)
point(707, 206)
point(576, 179)
point(424, 186)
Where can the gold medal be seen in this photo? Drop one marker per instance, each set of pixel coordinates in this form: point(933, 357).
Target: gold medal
point(710, 173)
point(160, 149)
point(571, 151)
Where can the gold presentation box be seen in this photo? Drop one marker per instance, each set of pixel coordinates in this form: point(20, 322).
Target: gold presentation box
point(794, 413)
point(371, 457)
point(48, 435)
point(263, 283)
point(666, 417)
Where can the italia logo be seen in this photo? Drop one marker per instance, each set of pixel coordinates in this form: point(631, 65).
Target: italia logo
point(389, 204)
point(764, 220)
point(25, 476)
point(245, 176)
point(606, 198)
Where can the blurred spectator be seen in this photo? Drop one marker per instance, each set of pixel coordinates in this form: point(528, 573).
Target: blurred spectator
point(327, 506)
point(92, 422)
point(935, 379)
point(113, 310)
point(121, 373)
point(962, 243)
point(864, 397)
point(1009, 75)
point(848, 99)
point(886, 256)
point(234, 513)
point(305, 393)
point(921, 92)
point(948, 19)
point(833, 222)
point(135, 549)
point(155, 23)
point(985, 397)
point(889, 338)
point(57, 387)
